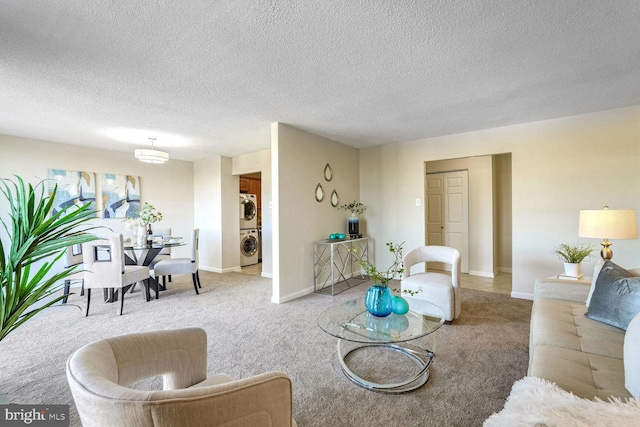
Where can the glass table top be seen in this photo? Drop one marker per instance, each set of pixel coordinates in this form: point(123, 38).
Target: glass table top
point(351, 321)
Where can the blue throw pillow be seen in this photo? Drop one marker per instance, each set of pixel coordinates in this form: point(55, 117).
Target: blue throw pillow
point(616, 297)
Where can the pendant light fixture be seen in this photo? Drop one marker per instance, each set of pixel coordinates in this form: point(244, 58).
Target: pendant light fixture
point(151, 156)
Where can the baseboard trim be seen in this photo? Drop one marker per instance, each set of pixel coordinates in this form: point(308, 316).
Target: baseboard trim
point(267, 275)
point(292, 296)
point(221, 270)
point(504, 270)
point(522, 295)
point(482, 273)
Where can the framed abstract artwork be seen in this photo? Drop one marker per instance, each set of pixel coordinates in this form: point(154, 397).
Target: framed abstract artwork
point(120, 196)
point(75, 188)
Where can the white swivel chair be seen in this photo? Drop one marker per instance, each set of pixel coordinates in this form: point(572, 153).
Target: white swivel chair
point(440, 289)
point(175, 266)
point(100, 372)
point(105, 268)
point(73, 259)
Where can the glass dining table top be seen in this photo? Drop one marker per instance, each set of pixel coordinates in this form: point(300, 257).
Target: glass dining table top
point(159, 245)
point(351, 321)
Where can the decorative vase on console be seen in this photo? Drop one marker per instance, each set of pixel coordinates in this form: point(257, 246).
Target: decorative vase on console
point(354, 225)
point(356, 208)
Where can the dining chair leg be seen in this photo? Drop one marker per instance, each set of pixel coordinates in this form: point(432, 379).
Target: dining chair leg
point(195, 284)
point(147, 294)
point(169, 278)
point(82, 289)
point(198, 277)
point(67, 286)
point(88, 301)
point(157, 283)
point(164, 282)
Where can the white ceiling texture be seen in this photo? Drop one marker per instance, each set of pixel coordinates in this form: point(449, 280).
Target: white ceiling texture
point(208, 77)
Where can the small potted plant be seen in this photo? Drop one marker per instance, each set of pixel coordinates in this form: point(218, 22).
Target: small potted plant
point(573, 255)
point(356, 208)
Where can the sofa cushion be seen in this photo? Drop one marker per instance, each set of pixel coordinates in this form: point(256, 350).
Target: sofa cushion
point(563, 324)
point(616, 297)
point(584, 374)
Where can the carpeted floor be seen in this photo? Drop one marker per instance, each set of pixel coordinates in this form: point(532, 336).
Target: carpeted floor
point(478, 357)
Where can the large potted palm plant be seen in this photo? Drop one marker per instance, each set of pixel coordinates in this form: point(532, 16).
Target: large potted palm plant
point(34, 235)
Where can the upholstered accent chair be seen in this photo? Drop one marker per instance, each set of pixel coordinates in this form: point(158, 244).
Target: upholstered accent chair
point(100, 374)
point(105, 268)
point(173, 266)
point(439, 288)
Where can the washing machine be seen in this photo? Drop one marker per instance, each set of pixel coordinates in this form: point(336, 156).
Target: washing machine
point(248, 211)
point(248, 247)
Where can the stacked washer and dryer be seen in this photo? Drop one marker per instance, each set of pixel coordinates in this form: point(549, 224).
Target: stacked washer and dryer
point(249, 242)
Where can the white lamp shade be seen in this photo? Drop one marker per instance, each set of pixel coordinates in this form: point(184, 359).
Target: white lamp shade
point(608, 223)
point(151, 156)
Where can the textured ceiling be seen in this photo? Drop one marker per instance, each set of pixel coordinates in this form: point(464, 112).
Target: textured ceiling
point(208, 77)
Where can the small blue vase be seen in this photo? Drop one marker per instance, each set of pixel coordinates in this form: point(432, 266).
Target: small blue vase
point(378, 301)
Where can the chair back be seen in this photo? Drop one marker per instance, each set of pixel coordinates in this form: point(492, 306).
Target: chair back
point(73, 256)
point(443, 254)
point(104, 262)
point(195, 242)
point(162, 232)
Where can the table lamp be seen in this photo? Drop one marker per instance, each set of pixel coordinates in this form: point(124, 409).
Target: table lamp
point(608, 224)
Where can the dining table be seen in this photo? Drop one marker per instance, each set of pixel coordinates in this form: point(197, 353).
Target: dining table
point(135, 254)
point(143, 255)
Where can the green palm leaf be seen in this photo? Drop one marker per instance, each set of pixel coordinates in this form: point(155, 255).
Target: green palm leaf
point(35, 235)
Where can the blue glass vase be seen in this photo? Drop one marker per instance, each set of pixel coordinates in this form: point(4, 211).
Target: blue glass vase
point(378, 301)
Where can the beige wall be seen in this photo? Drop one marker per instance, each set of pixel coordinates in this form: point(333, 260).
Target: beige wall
point(558, 167)
point(503, 224)
point(169, 187)
point(298, 161)
point(216, 214)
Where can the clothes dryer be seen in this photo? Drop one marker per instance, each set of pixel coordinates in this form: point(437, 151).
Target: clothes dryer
point(248, 247)
point(248, 211)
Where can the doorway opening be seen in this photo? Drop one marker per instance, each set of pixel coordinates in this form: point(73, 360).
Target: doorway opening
point(488, 213)
point(250, 199)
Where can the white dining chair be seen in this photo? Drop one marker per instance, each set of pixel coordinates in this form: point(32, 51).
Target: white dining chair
point(105, 268)
point(73, 259)
point(175, 266)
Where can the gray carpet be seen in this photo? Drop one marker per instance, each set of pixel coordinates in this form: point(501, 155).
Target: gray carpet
point(478, 357)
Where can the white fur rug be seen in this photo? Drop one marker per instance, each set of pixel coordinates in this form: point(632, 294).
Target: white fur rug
point(538, 402)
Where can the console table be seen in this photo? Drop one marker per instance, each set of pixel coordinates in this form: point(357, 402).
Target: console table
point(333, 263)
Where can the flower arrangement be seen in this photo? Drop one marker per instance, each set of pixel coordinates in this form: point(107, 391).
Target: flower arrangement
point(147, 215)
point(355, 207)
point(382, 278)
point(574, 254)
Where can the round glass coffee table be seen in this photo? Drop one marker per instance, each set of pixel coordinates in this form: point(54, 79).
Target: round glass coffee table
point(351, 322)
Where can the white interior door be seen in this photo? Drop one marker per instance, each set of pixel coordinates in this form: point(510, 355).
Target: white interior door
point(448, 212)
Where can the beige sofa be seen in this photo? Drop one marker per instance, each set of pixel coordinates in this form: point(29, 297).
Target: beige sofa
point(583, 356)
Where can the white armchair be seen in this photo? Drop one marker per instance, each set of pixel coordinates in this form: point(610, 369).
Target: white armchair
point(99, 375)
point(441, 289)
